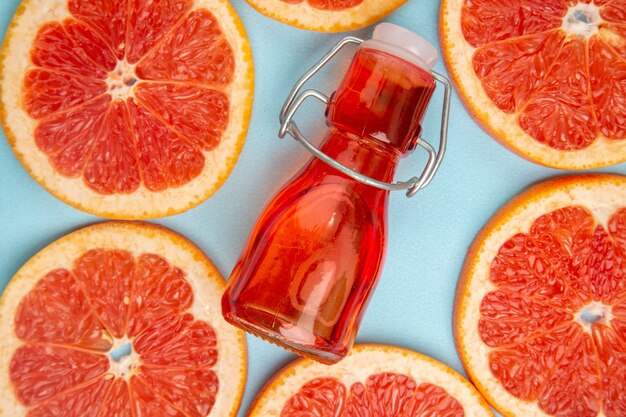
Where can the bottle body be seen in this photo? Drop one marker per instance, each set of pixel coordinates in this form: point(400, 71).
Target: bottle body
point(315, 255)
point(317, 251)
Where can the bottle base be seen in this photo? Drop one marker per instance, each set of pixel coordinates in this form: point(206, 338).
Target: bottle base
point(285, 334)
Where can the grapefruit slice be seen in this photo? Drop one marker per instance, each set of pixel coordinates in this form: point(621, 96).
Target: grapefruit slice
point(118, 319)
point(327, 15)
point(127, 109)
point(546, 79)
point(373, 380)
point(540, 313)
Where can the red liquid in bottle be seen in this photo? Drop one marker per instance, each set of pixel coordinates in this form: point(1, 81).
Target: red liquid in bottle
point(317, 251)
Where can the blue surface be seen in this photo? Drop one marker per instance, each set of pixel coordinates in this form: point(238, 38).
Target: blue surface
point(428, 235)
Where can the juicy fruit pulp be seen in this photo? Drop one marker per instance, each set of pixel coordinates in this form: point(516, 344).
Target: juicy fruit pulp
point(372, 381)
point(556, 322)
point(328, 4)
point(560, 66)
point(113, 337)
point(327, 15)
point(384, 394)
point(129, 93)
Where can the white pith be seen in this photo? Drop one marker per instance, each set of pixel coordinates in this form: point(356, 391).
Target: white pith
point(121, 81)
point(574, 24)
point(362, 362)
point(207, 283)
point(503, 126)
point(601, 195)
point(126, 366)
point(142, 203)
point(595, 308)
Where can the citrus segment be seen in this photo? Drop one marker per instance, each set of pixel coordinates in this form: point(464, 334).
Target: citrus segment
point(433, 400)
point(385, 395)
point(57, 311)
point(191, 344)
point(199, 114)
point(195, 50)
point(544, 78)
point(373, 380)
point(192, 391)
point(575, 377)
point(160, 293)
point(57, 48)
point(614, 11)
point(502, 67)
point(105, 278)
point(148, 340)
point(112, 166)
point(90, 44)
point(391, 394)
point(123, 332)
point(540, 367)
point(117, 401)
point(617, 226)
point(107, 17)
point(619, 310)
point(561, 114)
point(326, 15)
point(613, 35)
point(612, 353)
point(67, 137)
point(603, 266)
point(486, 21)
point(539, 265)
point(148, 403)
point(319, 397)
point(508, 317)
point(149, 22)
point(49, 91)
point(41, 371)
point(166, 158)
point(87, 400)
point(607, 77)
point(538, 315)
point(109, 139)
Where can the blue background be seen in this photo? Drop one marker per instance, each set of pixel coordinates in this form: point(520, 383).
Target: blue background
point(428, 235)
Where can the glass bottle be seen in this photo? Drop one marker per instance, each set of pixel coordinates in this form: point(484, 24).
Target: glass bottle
point(317, 251)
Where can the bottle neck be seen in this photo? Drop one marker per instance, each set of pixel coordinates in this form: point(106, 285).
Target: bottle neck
point(362, 154)
point(384, 98)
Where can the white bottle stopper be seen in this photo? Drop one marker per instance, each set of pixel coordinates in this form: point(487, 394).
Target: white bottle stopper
point(403, 43)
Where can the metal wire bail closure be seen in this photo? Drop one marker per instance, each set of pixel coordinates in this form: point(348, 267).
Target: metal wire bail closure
point(296, 98)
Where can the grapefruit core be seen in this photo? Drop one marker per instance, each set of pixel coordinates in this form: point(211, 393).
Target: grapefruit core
point(118, 319)
point(373, 380)
point(327, 15)
point(540, 312)
point(545, 78)
point(127, 109)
